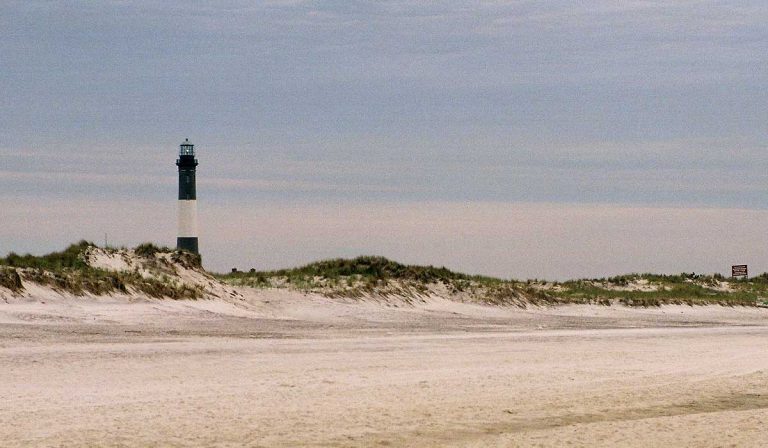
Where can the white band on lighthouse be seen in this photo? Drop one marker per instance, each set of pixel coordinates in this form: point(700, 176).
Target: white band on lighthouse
point(187, 218)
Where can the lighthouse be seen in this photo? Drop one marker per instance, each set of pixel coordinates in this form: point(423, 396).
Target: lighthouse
point(187, 163)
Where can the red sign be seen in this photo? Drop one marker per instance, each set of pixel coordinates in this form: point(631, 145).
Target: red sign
point(739, 270)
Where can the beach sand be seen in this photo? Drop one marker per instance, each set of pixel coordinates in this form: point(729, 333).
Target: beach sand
point(283, 369)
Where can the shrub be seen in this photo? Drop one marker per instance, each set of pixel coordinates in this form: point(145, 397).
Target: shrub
point(146, 250)
point(9, 278)
point(187, 259)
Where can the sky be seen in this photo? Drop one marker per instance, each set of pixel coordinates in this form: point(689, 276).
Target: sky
point(549, 139)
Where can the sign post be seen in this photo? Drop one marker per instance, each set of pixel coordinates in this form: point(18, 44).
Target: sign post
point(739, 270)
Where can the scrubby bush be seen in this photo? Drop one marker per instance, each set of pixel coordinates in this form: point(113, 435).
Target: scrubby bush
point(148, 250)
point(10, 279)
point(189, 260)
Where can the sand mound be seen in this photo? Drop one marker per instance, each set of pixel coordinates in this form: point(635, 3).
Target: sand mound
point(165, 266)
point(87, 271)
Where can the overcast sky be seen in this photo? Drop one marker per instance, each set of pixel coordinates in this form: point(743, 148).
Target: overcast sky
point(475, 125)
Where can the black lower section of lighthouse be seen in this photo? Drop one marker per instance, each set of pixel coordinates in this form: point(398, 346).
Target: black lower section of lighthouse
point(188, 243)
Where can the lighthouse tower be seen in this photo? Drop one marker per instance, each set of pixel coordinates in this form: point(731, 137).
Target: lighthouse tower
point(187, 163)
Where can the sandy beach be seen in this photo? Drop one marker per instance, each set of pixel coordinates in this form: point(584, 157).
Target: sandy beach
point(277, 368)
point(417, 224)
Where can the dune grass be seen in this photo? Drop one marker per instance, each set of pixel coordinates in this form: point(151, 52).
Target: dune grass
point(68, 271)
point(684, 288)
point(70, 258)
point(364, 268)
point(371, 275)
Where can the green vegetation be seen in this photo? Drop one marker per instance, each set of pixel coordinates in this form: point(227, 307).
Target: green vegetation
point(71, 257)
point(374, 277)
point(68, 271)
point(655, 290)
point(186, 259)
point(365, 267)
point(148, 250)
point(357, 278)
point(10, 279)
point(367, 276)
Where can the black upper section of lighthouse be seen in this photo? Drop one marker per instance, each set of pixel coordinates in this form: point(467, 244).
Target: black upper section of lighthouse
point(187, 164)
